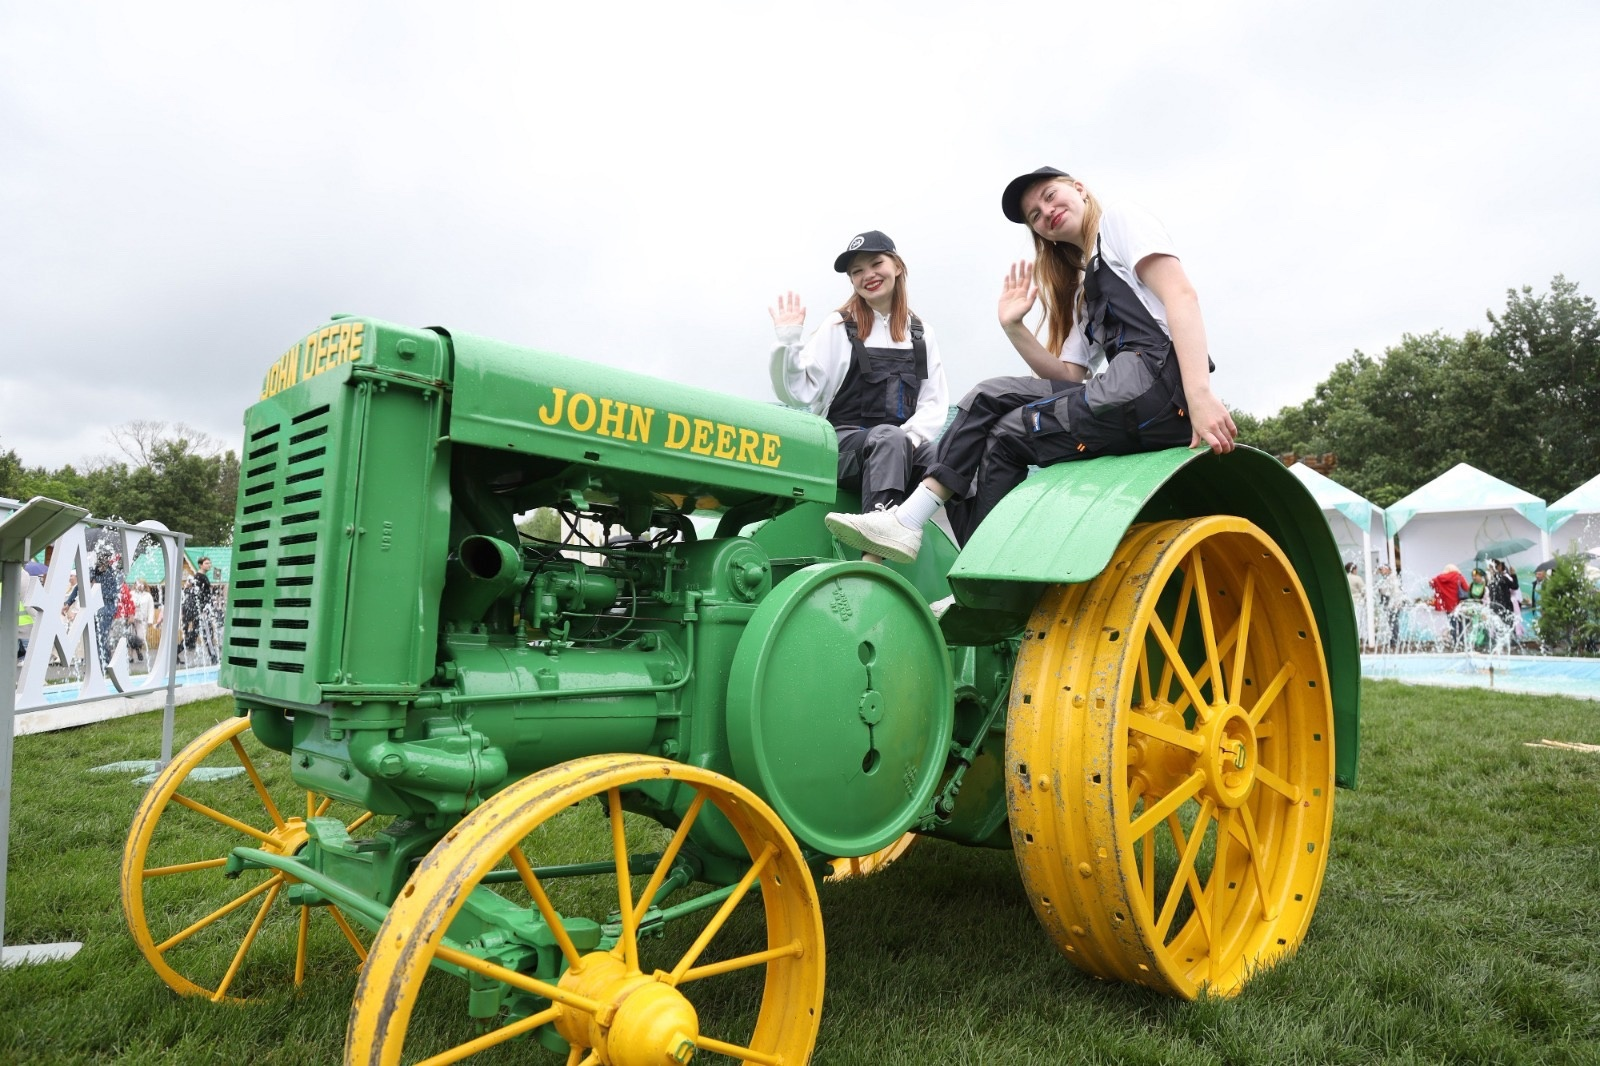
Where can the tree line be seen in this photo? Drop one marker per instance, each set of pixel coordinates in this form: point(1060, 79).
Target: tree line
point(1519, 400)
point(174, 474)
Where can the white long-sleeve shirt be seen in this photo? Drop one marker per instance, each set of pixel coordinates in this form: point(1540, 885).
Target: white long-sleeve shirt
point(808, 375)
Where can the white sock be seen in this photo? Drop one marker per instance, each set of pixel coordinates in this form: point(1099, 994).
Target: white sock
point(918, 507)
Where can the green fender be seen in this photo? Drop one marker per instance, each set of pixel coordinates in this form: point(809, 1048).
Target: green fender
point(1062, 525)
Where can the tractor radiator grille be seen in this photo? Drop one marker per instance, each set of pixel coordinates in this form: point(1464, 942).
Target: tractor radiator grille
point(279, 541)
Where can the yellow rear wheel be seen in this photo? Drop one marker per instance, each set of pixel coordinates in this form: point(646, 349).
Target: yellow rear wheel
point(207, 934)
point(639, 1002)
point(1169, 754)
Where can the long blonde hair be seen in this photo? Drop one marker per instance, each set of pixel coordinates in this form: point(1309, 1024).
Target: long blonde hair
point(858, 310)
point(1058, 272)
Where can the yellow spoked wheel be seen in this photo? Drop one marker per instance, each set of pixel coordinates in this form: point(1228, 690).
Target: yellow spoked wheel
point(637, 1002)
point(197, 927)
point(1169, 756)
point(871, 863)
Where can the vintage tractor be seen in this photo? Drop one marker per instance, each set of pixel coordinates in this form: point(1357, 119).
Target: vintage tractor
point(579, 792)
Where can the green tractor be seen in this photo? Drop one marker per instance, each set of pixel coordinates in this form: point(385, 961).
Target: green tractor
point(580, 789)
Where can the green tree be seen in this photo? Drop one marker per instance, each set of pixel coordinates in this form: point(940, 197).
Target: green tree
point(543, 524)
point(1569, 608)
point(1551, 345)
point(1521, 403)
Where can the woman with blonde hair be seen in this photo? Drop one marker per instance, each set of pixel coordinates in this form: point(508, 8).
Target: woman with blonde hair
point(872, 368)
point(1123, 366)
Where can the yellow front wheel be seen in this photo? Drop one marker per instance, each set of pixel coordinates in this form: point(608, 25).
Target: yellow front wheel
point(1169, 755)
point(870, 863)
point(638, 1002)
point(197, 927)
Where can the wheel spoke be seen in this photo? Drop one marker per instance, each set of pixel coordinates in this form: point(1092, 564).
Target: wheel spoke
point(1185, 595)
point(1184, 875)
point(218, 816)
point(183, 868)
point(1203, 675)
point(1258, 862)
point(322, 808)
point(220, 913)
point(715, 925)
point(1153, 815)
point(530, 881)
point(1218, 883)
point(1176, 665)
point(1145, 699)
point(496, 972)
point(619, 846)
point(360, 821)
point(493, 1037)
point(1208, 629)
point(349, 933)
point(244, 945)
point(793, 950)
point(1147, 874)
point(1169, 734)
point(1285, 672)
point(1242, 627)
point(255, 779)
point(300, 946)
point(1292, 793)
point(659, 874)
point(705, 1043)
point(1197, 891)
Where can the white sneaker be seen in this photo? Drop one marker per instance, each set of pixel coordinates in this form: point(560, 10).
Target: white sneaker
point(878, 532)
point(939, 607)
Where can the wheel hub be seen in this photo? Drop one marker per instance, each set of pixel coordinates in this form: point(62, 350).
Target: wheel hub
point(288, 838)
point(1231, 757)
point(645, 1021)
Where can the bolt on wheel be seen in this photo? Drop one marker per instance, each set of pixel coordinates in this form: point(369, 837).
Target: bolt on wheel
point(634, 986)
point(1170, 757)
point(207, 934)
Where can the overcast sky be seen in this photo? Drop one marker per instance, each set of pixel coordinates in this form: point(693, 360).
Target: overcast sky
point(187, 189)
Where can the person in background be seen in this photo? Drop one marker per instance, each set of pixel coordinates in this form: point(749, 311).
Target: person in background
point(1358, 585)
point(872, 369)
point(1391, 597)
point(205, 601)
point(1502, 580)
point(1448, 591)
point(1115, 294)
point(1478, 587)
point(144, 614)
point(24, 616)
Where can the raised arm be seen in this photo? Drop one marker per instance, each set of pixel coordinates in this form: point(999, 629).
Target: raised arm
point(1210, 419)
point(1017, 296)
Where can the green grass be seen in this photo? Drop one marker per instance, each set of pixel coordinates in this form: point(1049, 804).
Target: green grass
point(1458, 924)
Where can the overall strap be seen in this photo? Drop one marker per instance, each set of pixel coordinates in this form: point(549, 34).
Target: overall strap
point(919, 346)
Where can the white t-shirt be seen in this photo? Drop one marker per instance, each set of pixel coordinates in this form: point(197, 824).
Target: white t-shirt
point(809, 375)
point(1127, 235)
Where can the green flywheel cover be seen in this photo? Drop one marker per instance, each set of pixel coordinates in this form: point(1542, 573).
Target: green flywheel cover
point(841, 705)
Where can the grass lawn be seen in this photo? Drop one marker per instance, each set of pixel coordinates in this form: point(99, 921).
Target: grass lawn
point(1458, 924)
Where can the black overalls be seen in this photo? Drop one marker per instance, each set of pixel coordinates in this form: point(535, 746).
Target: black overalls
point(1006, 425)
point(877, 396)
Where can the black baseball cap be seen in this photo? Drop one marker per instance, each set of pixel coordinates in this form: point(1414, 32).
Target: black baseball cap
point(870, 241)
point(1011, 199)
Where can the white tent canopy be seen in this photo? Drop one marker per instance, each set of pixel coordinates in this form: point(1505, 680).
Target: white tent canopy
point(1574, 520)
point(1358, 528)
point(1463, 515)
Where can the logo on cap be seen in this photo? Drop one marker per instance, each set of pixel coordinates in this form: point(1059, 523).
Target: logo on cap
point(860, 239)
